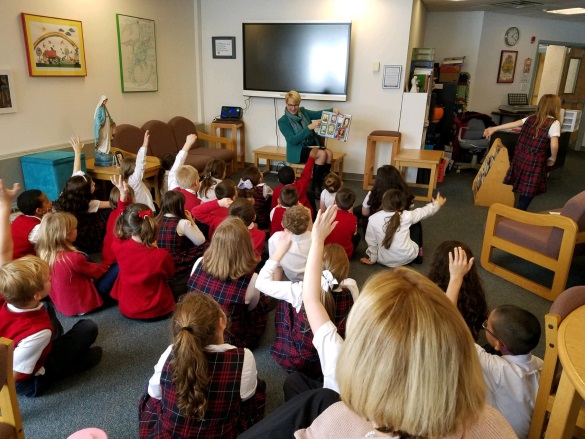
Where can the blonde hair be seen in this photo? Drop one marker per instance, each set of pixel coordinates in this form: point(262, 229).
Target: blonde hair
point(293, 96)
point(230, 254)
point(296, 219)
point(408, 363)
point(194, 324)
point(186, 177)
point(22, 278)
point(53, 236)
point(548, 105)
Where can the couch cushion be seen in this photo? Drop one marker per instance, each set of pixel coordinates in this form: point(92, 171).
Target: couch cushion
point(574, 209)
point(182, 127)
point(162, 139)
point(128, 138)
point(217, 153)
point(532, 237)
point(198, 161)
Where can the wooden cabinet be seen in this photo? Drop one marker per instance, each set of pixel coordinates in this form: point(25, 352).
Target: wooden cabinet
point(488, 187)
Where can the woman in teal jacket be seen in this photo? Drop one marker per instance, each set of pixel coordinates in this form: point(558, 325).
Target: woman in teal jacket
point(297, 126)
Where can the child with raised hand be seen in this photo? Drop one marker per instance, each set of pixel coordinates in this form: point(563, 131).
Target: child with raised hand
point(72, 275)
point(132, 171)
point(141, 288)
point(471, 302)
point(185, 178)
point(512, 378)
point(202, 386)
point(388, 234)
point(251, 182)
point(42, 354)
point(213, 174)
point(331, 184)
point(33, 204)
point(293, 347)
point(180, 236)
point(213, 212)
point(226, 273)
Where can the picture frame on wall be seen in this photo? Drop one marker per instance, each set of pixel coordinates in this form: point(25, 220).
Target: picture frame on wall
point(507, 66)
point(54, 46)
point(137, 51)
point(223, 47)
point(7, 97)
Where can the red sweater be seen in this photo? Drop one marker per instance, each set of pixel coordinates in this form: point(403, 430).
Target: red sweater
point(21, 228)
point(141, 288)
point(18, 325)
point(210, 213)
point(276, 221)
point(302, 184)
point(108, 256)
point(343, 231)
point(72, 288)
point(258, 240)
point(191, 200)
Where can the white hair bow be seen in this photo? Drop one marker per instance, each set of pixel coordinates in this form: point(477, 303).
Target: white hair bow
point(245, 184)
point(328, 282)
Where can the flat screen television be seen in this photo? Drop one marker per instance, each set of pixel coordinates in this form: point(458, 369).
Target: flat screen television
point(311, 57)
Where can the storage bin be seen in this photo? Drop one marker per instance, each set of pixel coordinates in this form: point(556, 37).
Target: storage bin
point(48, 171)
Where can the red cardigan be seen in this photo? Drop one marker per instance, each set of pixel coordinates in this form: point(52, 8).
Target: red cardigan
point(191, 200)
point(343, 231)
point(108, 255)
point(141, 288)
point(21, 228)
point(210, 213)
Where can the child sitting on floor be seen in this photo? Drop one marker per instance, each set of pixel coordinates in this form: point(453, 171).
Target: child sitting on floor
point(38, 359)
point(214, 211)
point(331, 184)
point(288, 197)
point(388, 234)
point(213, 174)
point(251, 182)
point(25, 228)
point(132, 171)
point(185, 178)
point(345, 233)
point(244, 209)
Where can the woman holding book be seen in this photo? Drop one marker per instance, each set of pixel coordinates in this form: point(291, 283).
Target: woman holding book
point(298, 127)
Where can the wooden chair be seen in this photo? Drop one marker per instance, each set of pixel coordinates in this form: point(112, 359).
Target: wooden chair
point(566, 302)
point(10, 420)
point(223, 144)
point(545, 239)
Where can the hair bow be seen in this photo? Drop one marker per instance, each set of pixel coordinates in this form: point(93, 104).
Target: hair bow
point(145, 213)
point(328, 282)
point(245, 184)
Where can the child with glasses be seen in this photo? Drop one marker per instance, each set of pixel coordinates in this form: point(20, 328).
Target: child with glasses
point(512, 378)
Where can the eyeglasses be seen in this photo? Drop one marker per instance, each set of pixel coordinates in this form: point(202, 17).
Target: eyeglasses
point(484, 326)
point(292, 105)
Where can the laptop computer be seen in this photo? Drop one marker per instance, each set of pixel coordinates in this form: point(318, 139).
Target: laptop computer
point(518, 104)
point(230, 114)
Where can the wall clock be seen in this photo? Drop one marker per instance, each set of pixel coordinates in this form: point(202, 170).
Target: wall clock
point(512, 36)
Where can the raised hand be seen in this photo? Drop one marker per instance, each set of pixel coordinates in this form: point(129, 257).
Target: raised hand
point(440, 200)
point(324, 224)
point(76, 144)
point(7, 195)
point(146, 138)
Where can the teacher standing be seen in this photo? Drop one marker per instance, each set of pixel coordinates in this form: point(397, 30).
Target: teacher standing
point(298, 128)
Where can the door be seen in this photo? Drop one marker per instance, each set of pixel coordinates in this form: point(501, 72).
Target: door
point(572, 89)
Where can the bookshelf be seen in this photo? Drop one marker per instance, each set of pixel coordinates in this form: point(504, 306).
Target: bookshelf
point(488, 187)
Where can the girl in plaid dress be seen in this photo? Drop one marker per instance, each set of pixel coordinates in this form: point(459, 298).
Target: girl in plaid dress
point(537, 148)
point(202, 387)
point(251, 186)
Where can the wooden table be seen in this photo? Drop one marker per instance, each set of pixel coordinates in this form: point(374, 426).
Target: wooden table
point(571, 391)
point(238, 148)
point(104, 173)
point(278, 154)
point(420, 158)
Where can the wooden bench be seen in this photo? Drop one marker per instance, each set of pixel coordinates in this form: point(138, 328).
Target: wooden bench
point(278, 154)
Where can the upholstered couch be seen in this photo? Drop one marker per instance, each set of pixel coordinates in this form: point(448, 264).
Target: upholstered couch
point(170, 137)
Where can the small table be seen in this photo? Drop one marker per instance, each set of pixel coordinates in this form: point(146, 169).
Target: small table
point(239, 149)
point(104, 173)
point(278, 154)
point(571, 390)
point(421, 158)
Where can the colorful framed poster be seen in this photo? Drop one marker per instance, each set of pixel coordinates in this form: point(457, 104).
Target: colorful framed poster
point(507, 66)
point(54, 46)
point(137, 50)
point(7, 99)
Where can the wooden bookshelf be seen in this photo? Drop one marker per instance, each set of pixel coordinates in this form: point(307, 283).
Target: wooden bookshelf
point(488, 187)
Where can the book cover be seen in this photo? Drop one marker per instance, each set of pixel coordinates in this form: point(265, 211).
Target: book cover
point(335, 126)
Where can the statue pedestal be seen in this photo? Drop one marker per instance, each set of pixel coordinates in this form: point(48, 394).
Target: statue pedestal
point(103, 160)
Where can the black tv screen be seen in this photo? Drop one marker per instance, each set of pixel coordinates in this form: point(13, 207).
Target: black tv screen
point(309, 57)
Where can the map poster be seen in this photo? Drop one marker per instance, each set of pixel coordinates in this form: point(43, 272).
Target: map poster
point(335, 126)
point(137, 49)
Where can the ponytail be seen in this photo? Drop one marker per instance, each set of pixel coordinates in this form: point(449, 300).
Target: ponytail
point(137, 220)
point(213, 169)
point(396, 201)
point(392, 226)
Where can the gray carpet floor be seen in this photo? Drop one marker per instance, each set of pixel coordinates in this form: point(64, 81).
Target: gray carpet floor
point(107, 396)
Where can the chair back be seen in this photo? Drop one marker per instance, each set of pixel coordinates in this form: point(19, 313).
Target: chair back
point(128, 138)
point(181, 127)
point(471, 135)
point(10, 420)
point(574, 209)
point(162, 138)
point(563, 305)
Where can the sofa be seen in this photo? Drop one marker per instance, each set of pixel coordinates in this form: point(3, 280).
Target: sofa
point(170, 137)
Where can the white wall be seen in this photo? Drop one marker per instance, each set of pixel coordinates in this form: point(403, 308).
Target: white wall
point(448, 31)
point(380, 32)
point(51, 109)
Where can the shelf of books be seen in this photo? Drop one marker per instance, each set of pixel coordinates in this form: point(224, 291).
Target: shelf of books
point(488, 187)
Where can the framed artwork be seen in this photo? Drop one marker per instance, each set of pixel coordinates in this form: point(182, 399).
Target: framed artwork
point(507, 66)
point(7, 98)
point(54, 46)
point(223, 47)
point(137, 50)
point(391, 77)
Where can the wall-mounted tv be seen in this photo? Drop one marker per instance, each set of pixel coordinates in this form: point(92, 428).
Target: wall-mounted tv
point(311, 57)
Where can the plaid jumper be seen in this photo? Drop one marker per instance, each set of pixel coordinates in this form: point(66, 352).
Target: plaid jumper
point(245, 327)
point(182, 250)
point(226, 415)
point(293, 343)
point(527, 172)
point(91, 230)
point(262, 208)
